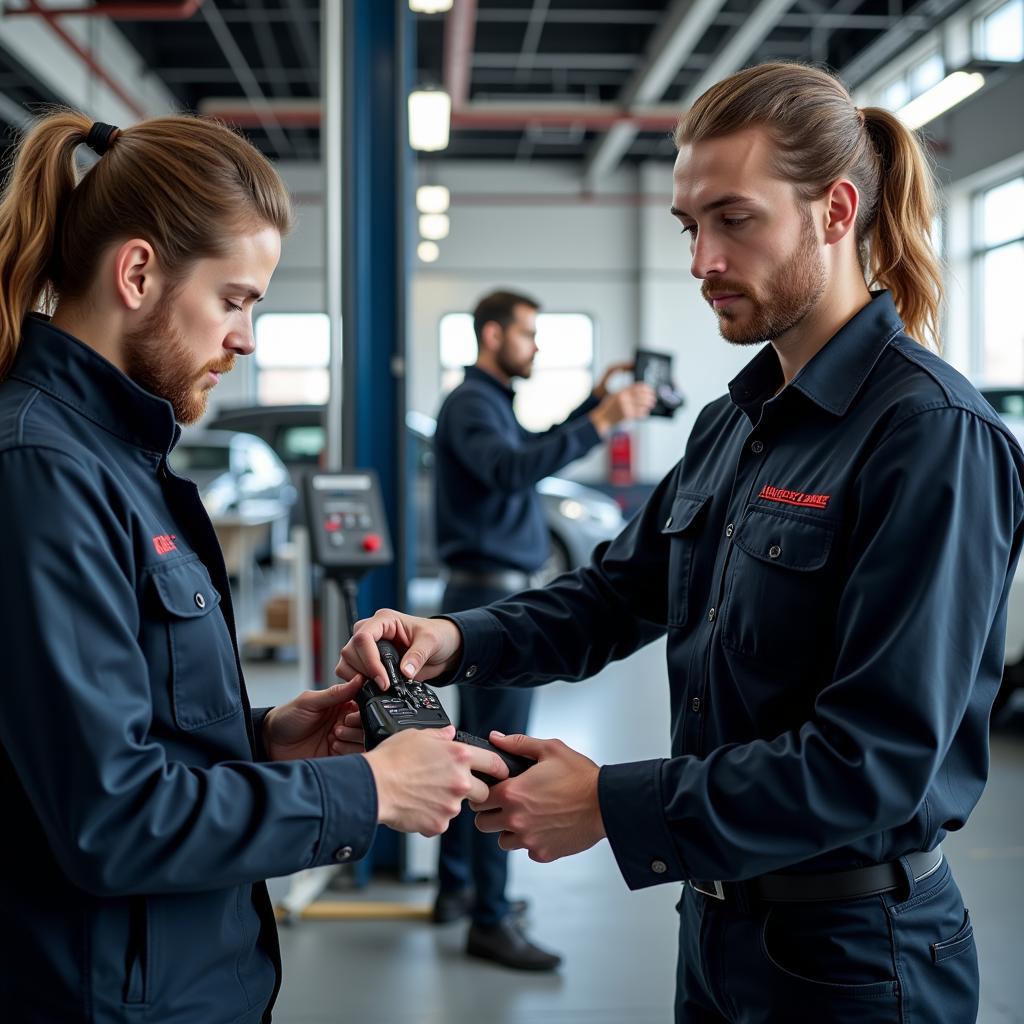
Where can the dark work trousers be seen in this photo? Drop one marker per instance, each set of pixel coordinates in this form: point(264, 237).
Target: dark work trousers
point(470, 858)
point(904, 957)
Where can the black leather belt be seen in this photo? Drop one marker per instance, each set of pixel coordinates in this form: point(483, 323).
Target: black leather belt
point(836, 885)
point(500, 579)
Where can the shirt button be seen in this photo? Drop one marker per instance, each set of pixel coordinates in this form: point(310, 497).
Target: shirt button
point(200, 601)
point(711, 615)
point(774, 551)
point(659, 867)
point(757, 447)
point(471, 671)
point(695, 705)
point(668, 522)
point(344, 854)
point(729, 530)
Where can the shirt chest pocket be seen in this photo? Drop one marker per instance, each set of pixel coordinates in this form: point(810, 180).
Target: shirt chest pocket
point(780, 605)
point(203, 677)
point(682, 528)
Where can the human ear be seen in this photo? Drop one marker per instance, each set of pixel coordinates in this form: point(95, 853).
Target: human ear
point(842, 203)
point(137, 281)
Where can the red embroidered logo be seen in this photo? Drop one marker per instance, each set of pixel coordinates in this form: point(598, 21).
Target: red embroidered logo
point(770, 493)
point(164, 544)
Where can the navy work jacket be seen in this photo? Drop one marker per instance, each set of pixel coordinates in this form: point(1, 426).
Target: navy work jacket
point(831, 566)
point(138, 822)
point(488, 512)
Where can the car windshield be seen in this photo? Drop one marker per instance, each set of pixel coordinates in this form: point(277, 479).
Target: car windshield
point(187, 458)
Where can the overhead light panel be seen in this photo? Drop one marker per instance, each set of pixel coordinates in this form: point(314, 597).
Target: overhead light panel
point(953, 89)
point(430, 6)
point(430, 117)
point(433, 199)
point(434, 226)
point(428, 251)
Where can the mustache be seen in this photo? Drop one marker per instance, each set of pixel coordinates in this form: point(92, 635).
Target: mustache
point(226, 366)
point(721, 286)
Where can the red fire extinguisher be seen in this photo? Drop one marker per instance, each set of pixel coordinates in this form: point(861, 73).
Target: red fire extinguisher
point(620, 458)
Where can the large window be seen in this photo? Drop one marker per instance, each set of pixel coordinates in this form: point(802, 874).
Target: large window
point(999, 34)
point(998, 273)
point(913, 81)
point(562, 372)
point(292, 355)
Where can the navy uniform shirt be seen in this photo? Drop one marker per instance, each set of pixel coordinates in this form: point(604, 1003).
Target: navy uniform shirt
point(488, 513)
point(138, 820)
point(831, 565)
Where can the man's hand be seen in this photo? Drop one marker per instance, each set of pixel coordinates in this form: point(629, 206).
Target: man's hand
point(552, 809)
point(422, 777)
point(633, 402)
point(601, 391)
point(318, 723)
point(432, 647)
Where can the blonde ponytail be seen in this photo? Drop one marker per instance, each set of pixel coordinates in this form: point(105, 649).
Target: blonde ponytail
point(899, 246)
point(35, 197)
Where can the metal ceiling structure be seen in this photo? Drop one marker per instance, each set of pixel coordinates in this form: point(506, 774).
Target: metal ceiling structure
point(594, 81)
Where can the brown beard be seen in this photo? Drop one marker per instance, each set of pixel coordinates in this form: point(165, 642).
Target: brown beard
point(789, 296)
point(158, 359)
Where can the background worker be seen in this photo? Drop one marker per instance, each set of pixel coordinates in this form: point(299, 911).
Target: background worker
point(492, 537)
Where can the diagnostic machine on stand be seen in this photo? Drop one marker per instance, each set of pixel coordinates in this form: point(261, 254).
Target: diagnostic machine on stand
point(348, 536)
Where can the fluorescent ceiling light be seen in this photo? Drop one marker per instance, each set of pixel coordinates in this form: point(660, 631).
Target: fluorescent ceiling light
point(433, 199)
point(428, 251)
point(939, 98)
point(430, 115)
point(430, 6)
point(434, 226)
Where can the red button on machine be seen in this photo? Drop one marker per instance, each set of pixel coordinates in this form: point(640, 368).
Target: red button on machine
point(371, 542)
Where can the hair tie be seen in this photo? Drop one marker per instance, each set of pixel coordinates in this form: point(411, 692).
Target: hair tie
point(101, 137)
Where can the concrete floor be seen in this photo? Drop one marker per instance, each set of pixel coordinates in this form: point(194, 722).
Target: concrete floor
point(619, 947)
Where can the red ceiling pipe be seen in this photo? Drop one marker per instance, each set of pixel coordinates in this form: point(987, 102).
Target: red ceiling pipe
point(87, 59)
point(163, 10)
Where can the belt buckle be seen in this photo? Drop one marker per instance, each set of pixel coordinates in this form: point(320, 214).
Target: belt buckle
point(718, 893)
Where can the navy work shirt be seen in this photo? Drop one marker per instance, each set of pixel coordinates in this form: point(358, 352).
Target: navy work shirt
point(137, 821)
point(831, 565)
point(488, 513)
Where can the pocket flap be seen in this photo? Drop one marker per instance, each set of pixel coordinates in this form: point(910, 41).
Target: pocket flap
point(686, 506)
point(185, 590)
point(787, 542)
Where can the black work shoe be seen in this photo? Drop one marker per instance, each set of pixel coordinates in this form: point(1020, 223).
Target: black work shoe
point(451, 906)
point(506, 943)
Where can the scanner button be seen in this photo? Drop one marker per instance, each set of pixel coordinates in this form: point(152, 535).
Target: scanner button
point(372, 543)
point(344, 854)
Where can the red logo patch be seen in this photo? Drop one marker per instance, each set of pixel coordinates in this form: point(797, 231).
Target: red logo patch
point(164, 544)
point(779, 494)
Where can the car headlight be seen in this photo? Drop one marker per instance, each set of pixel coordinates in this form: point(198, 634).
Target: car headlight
point(572, 509)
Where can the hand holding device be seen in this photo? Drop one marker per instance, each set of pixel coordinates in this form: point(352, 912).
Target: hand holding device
point(409, 704)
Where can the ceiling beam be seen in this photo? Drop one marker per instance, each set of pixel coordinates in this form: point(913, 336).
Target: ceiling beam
point(459, 41)
point(681, 30)
point(251, 88)
point(738, 47)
